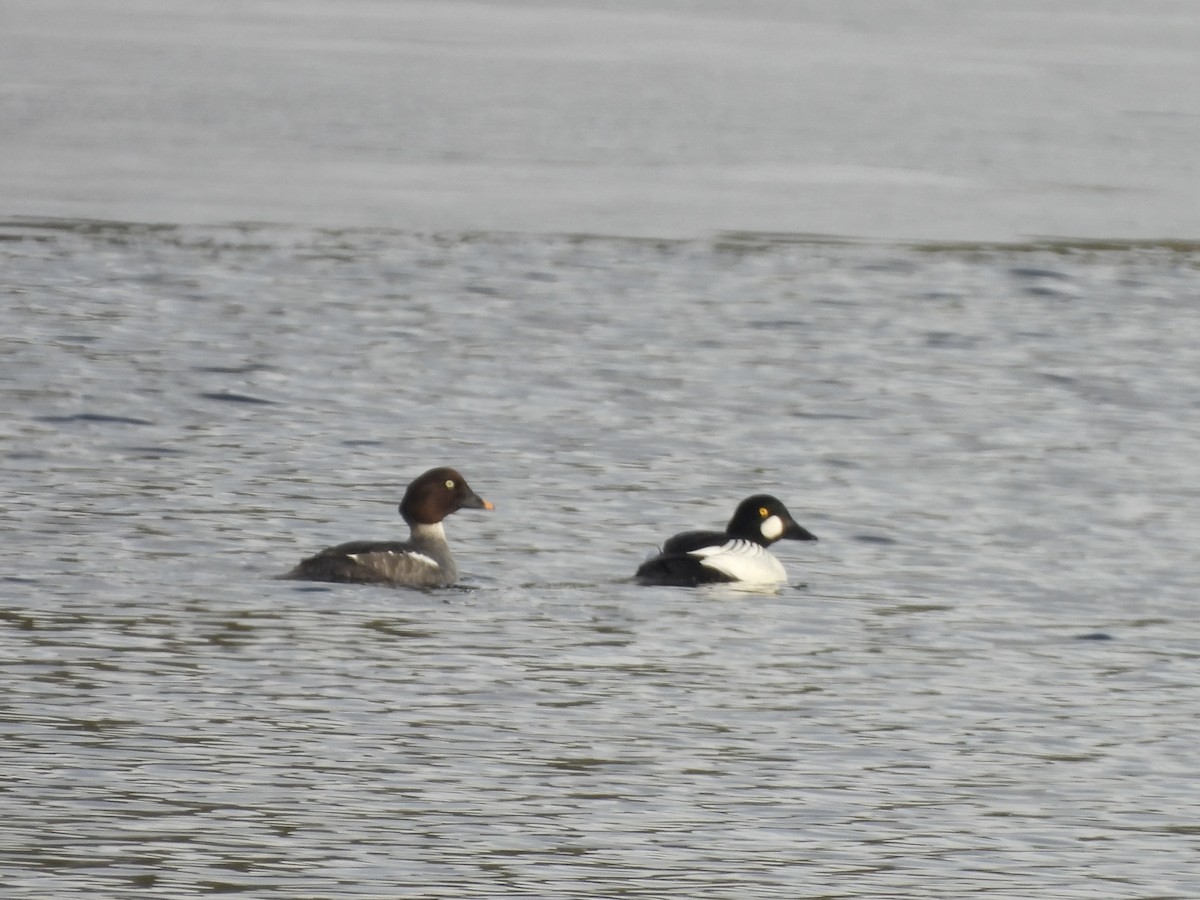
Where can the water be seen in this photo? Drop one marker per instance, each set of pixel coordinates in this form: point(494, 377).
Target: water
point(934, 120)
point(979, 681)
point(560, 247)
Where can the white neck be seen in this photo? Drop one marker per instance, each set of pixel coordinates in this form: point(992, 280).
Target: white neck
point(434, 532)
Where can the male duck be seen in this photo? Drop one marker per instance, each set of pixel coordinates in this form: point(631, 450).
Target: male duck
point(739, 553)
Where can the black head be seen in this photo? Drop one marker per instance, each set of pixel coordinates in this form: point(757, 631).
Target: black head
point(765, 520)
point(436, 494)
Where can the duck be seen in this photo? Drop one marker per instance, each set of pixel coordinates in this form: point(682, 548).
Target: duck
point(737, 554)
point(424, 560)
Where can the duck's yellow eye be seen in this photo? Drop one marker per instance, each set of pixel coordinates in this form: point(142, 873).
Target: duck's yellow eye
point(450, 483)
point(763, 511)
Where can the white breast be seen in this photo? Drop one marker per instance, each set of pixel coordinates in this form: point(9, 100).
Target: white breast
point(742, 561)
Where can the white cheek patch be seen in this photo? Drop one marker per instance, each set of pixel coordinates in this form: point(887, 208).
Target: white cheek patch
point(771, 528)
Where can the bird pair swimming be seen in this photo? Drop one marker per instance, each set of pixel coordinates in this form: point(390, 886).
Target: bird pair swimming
point(739, 553)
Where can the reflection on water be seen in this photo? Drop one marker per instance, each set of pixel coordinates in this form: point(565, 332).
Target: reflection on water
point(997, 448)
point(892, 121)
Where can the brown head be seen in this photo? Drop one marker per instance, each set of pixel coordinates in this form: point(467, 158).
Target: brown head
point(436, 494)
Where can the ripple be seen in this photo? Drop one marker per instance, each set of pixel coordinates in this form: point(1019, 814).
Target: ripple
point(957, 692)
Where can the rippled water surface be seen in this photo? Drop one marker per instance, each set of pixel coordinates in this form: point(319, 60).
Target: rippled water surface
point(982, 679)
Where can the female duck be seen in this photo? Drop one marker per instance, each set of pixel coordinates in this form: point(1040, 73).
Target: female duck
point(423, 560)
point(739, 553)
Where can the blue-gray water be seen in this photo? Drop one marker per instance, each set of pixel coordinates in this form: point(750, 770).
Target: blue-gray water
point(981, 681)
point(927, 119)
